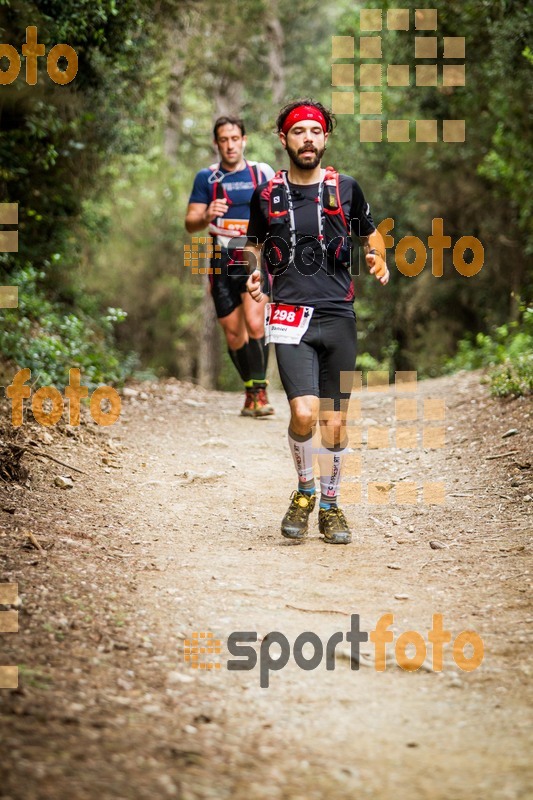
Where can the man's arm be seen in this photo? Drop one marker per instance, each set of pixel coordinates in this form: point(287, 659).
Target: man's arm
point(199, 215)
point(373, 243)
point(252, 256)
point(375, 256)
point(202, 209)
point(257, 233)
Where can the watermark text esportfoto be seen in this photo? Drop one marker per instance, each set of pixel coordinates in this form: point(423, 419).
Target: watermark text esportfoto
point(409, 651)
point(278, 252)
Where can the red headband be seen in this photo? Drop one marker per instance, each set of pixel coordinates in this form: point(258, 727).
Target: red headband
point(301, 113)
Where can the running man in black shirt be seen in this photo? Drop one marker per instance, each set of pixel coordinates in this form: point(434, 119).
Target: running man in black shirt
point(302, 219)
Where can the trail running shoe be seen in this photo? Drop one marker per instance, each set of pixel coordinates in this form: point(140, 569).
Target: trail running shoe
point(248, 409)
point(333, 526)
point(294, 523)
point(262, 406)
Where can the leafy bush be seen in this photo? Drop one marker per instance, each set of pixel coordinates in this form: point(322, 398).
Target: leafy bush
point(58, 145)
point(507, 351)
point(49, 340)
point(514, 378)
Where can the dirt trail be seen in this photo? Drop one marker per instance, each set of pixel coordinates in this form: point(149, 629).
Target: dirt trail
point(176, 530)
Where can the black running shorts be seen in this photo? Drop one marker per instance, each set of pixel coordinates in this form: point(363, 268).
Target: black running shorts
point(228, 285)
point(313, 367)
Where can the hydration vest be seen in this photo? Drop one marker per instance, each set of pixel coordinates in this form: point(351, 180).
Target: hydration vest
point(219, 193)
point(217, 176)
point(333, 226)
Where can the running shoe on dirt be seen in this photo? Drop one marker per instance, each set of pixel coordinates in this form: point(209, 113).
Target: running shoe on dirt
point(295, 522)
point(333, 526)
point(262, 406)
point(248, 409)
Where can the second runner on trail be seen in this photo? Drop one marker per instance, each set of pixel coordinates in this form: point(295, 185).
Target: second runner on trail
point(220, 201)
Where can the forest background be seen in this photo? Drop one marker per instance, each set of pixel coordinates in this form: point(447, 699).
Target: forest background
point(102, 168)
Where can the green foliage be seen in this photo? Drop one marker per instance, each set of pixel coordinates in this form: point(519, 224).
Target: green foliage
point(507, 350)
point(50, 341)
point(59, 146)
point(54, 138)
point(514, 378)
point(139, 265)
point(480, 188)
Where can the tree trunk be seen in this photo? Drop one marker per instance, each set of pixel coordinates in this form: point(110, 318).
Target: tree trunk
point(172, 127)
point(209, 356)
point(228, 97)
point(276, 67)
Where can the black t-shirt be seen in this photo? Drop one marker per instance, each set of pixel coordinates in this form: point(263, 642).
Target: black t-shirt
point(309, 279)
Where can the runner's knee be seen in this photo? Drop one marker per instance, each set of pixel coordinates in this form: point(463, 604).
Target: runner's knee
point(255, 320)
point(303, 416)
point(235, 339)
point(256, 329)
point(333, 432)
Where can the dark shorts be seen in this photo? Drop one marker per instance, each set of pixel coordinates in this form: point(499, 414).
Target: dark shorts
point(313, 367)
point(228, 286)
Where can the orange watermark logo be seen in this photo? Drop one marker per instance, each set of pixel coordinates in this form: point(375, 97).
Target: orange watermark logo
point(32, 50)
point(200, 645)
point(200, 249)
point(437, 243)
point(373, 74)
point(47, 403)
point(9, 623)
point(415, 423)
point(9, 243)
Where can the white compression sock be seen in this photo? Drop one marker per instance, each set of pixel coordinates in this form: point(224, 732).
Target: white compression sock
point(301, 448)
point(330, 463)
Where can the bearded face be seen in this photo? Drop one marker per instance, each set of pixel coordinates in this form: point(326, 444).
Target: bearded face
point(305, 157)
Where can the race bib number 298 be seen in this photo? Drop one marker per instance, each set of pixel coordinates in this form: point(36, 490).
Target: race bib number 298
point(285, 324)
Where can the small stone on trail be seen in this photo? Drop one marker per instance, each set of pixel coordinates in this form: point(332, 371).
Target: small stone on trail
point(166, 783)
point(190, 729)
point(191, 477)
point(401, 596)
point(396, 520)
point(64, 482)
point(437, 545)
point(510, 432)
point(151, 708)
point(179, 677)
point(393, 566)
